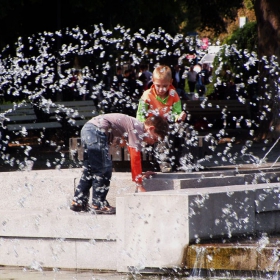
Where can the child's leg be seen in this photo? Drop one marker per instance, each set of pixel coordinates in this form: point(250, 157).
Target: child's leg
point(81, 194)
point(97, 165)
point(100, 187)
point(101, 170)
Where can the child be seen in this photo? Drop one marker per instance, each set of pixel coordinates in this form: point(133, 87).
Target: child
point(161, 100)
point(96, 135)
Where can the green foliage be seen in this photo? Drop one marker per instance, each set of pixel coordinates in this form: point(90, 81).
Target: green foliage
point(238, 60)
point(236, 66)
point(249, 5)
point(211, 15)
point(245, 37)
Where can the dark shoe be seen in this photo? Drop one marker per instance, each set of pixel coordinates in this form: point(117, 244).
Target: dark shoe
point(95, 209)
point(79, 207)
point(109, 210)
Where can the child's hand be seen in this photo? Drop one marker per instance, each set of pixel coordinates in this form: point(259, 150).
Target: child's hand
point(140, 188)
point(148, 174)
point(182, 117)
point(145, 175)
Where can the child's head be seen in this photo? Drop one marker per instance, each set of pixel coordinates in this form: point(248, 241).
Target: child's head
point(157, 128)
point(162, 79)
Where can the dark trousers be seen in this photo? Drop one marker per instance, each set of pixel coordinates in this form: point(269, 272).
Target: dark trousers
point(191, 86)
point(97, 167)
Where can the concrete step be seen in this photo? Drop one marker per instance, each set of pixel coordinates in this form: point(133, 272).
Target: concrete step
point(38, 229)
point(51, 189)
point(58, 239)
point(57, 224)
point(168, 221)
point(212, 179)
point(149, 230)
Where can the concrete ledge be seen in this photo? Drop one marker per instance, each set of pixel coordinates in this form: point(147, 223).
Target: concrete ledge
point(57, 224)
point(51, 190)
point(58, 253)
point(62, 239)
point(150, 230)
point(37, 229)
point(160, 225)
point(176, 181)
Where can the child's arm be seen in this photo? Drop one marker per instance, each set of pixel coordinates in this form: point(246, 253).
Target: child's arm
point(136, 168)
point(142, 110)
point(181, 117)
point(177, 112)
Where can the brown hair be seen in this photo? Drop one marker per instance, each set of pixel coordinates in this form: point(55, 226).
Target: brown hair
point(160, 124)
point(162, 72)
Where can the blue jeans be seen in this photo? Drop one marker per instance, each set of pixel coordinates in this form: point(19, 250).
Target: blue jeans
point(97, 167)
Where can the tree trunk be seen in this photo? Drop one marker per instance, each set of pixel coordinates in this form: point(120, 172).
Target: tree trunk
point(268, 19)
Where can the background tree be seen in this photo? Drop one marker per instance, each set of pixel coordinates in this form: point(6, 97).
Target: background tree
point(267, 14)
point(25, 17)
point(268, 19)
point(211, 16)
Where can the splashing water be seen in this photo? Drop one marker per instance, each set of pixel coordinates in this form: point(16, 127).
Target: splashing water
point(40, 71)
point(80, 64)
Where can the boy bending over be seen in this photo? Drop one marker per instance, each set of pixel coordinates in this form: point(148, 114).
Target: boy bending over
point(96, 135)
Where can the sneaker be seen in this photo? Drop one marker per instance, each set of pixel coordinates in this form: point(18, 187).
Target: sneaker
point(79, 207)
point(95, 209)
point(109, 210)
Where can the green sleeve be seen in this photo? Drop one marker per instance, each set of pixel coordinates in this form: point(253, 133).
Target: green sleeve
point(176, 110)
point(142, 110)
